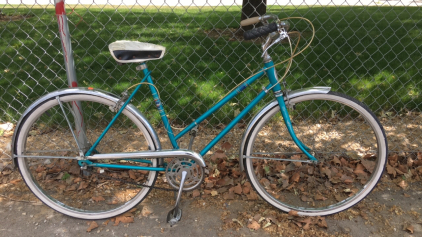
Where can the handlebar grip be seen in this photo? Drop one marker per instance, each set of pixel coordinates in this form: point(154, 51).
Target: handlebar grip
point(250, 21)
point(260, 31)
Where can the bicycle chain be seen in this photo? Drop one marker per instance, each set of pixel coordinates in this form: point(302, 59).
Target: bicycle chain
point(128, 182)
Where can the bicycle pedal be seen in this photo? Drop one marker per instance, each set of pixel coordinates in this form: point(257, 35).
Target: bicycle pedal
point(174, 216)
point(85, 173)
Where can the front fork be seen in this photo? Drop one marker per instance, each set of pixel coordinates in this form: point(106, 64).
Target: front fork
point(288, 123)
point(272, 75)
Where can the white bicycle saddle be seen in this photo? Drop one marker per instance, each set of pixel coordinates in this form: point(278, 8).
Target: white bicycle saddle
point(124, 51)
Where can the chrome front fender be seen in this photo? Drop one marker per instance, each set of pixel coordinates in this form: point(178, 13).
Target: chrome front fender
point(290, 95)
point(95, 92)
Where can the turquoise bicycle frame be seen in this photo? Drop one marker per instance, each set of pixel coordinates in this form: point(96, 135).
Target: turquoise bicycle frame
point(273, 85)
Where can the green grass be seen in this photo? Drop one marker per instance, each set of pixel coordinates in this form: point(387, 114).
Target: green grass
point(371, 53)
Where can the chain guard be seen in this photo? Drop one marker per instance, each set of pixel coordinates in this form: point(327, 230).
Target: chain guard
point(194, 177)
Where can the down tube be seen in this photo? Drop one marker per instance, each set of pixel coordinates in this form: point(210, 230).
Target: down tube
point(235, 121)
point(222, 102)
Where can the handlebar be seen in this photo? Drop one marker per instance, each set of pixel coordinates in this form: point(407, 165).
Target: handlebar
point(260, 31)
point(263, 30)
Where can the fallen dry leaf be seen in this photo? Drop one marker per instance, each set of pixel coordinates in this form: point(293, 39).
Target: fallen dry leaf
point(236, 173)
point(209, 183)
point(296, 157)
point(408, 227)
point(320, 197)
point(367, 156)
point(132, 174)
point(257, 217)
point(409, 162)
point(246, 189)
point(326, 171)
point(71, 188)
point(38, 170)
point(92, 225)
point(364, 215)
point(83, 185)
point(113, 201)
point(237, 221)
point(123, 218)
point(321, 222)
point(221, 182)
point(254, 225)
point(392, 160)
point(305, 198)
point(403, 184)
point(214, 193)
point(146, 211)
point(238, 189)
point(403, 168)
point(226, 146)
point(308, 222)
point(346, 179)
point(98, 199)
point(266, 225)
point(216, 173)
point(228, 196)
point(359, 169)
point(336, 161)
point(293, 213)
point(252, 196)
point(369, 165)
point(219, 154)
point(196, 193)
point(295, 177)
point(265, 182)
point(391, 170)
point(15, 181)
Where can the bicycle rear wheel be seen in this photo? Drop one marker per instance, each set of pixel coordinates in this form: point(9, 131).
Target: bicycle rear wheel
point(47, 163)
point(342, 134)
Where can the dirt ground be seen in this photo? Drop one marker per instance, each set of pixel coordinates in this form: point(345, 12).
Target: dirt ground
point(394, 208)
point(388, 211)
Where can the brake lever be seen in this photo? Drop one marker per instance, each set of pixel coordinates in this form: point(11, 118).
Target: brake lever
point(264, 19)
point(282, 35)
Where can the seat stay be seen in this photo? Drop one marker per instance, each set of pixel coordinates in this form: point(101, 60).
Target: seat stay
point(89, 152)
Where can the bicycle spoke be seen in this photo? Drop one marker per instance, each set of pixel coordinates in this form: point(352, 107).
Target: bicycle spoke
point(70, 125)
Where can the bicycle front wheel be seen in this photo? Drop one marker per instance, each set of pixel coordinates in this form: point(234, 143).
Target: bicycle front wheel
point(47, 152)
point(341, 133)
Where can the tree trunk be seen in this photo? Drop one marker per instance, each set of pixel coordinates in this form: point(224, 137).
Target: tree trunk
point(252, 8)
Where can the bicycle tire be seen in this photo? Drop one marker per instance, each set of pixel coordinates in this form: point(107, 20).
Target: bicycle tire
point(341, 132)
point(58, 182)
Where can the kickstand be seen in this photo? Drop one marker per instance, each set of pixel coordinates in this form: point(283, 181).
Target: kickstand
point(175, 214)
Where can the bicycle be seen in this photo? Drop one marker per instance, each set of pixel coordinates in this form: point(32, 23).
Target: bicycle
point(328, 159)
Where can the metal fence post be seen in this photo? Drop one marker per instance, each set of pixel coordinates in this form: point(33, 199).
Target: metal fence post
point(70, 72)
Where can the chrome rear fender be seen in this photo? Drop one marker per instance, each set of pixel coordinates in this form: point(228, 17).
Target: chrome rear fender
point(95, 92)
point(290, 95)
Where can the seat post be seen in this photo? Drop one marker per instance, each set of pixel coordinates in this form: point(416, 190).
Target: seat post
point(141, 66)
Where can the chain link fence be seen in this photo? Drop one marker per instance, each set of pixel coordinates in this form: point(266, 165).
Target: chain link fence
point(370, 50)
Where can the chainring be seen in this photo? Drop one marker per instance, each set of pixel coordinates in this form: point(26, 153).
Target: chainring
point(194, 177)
